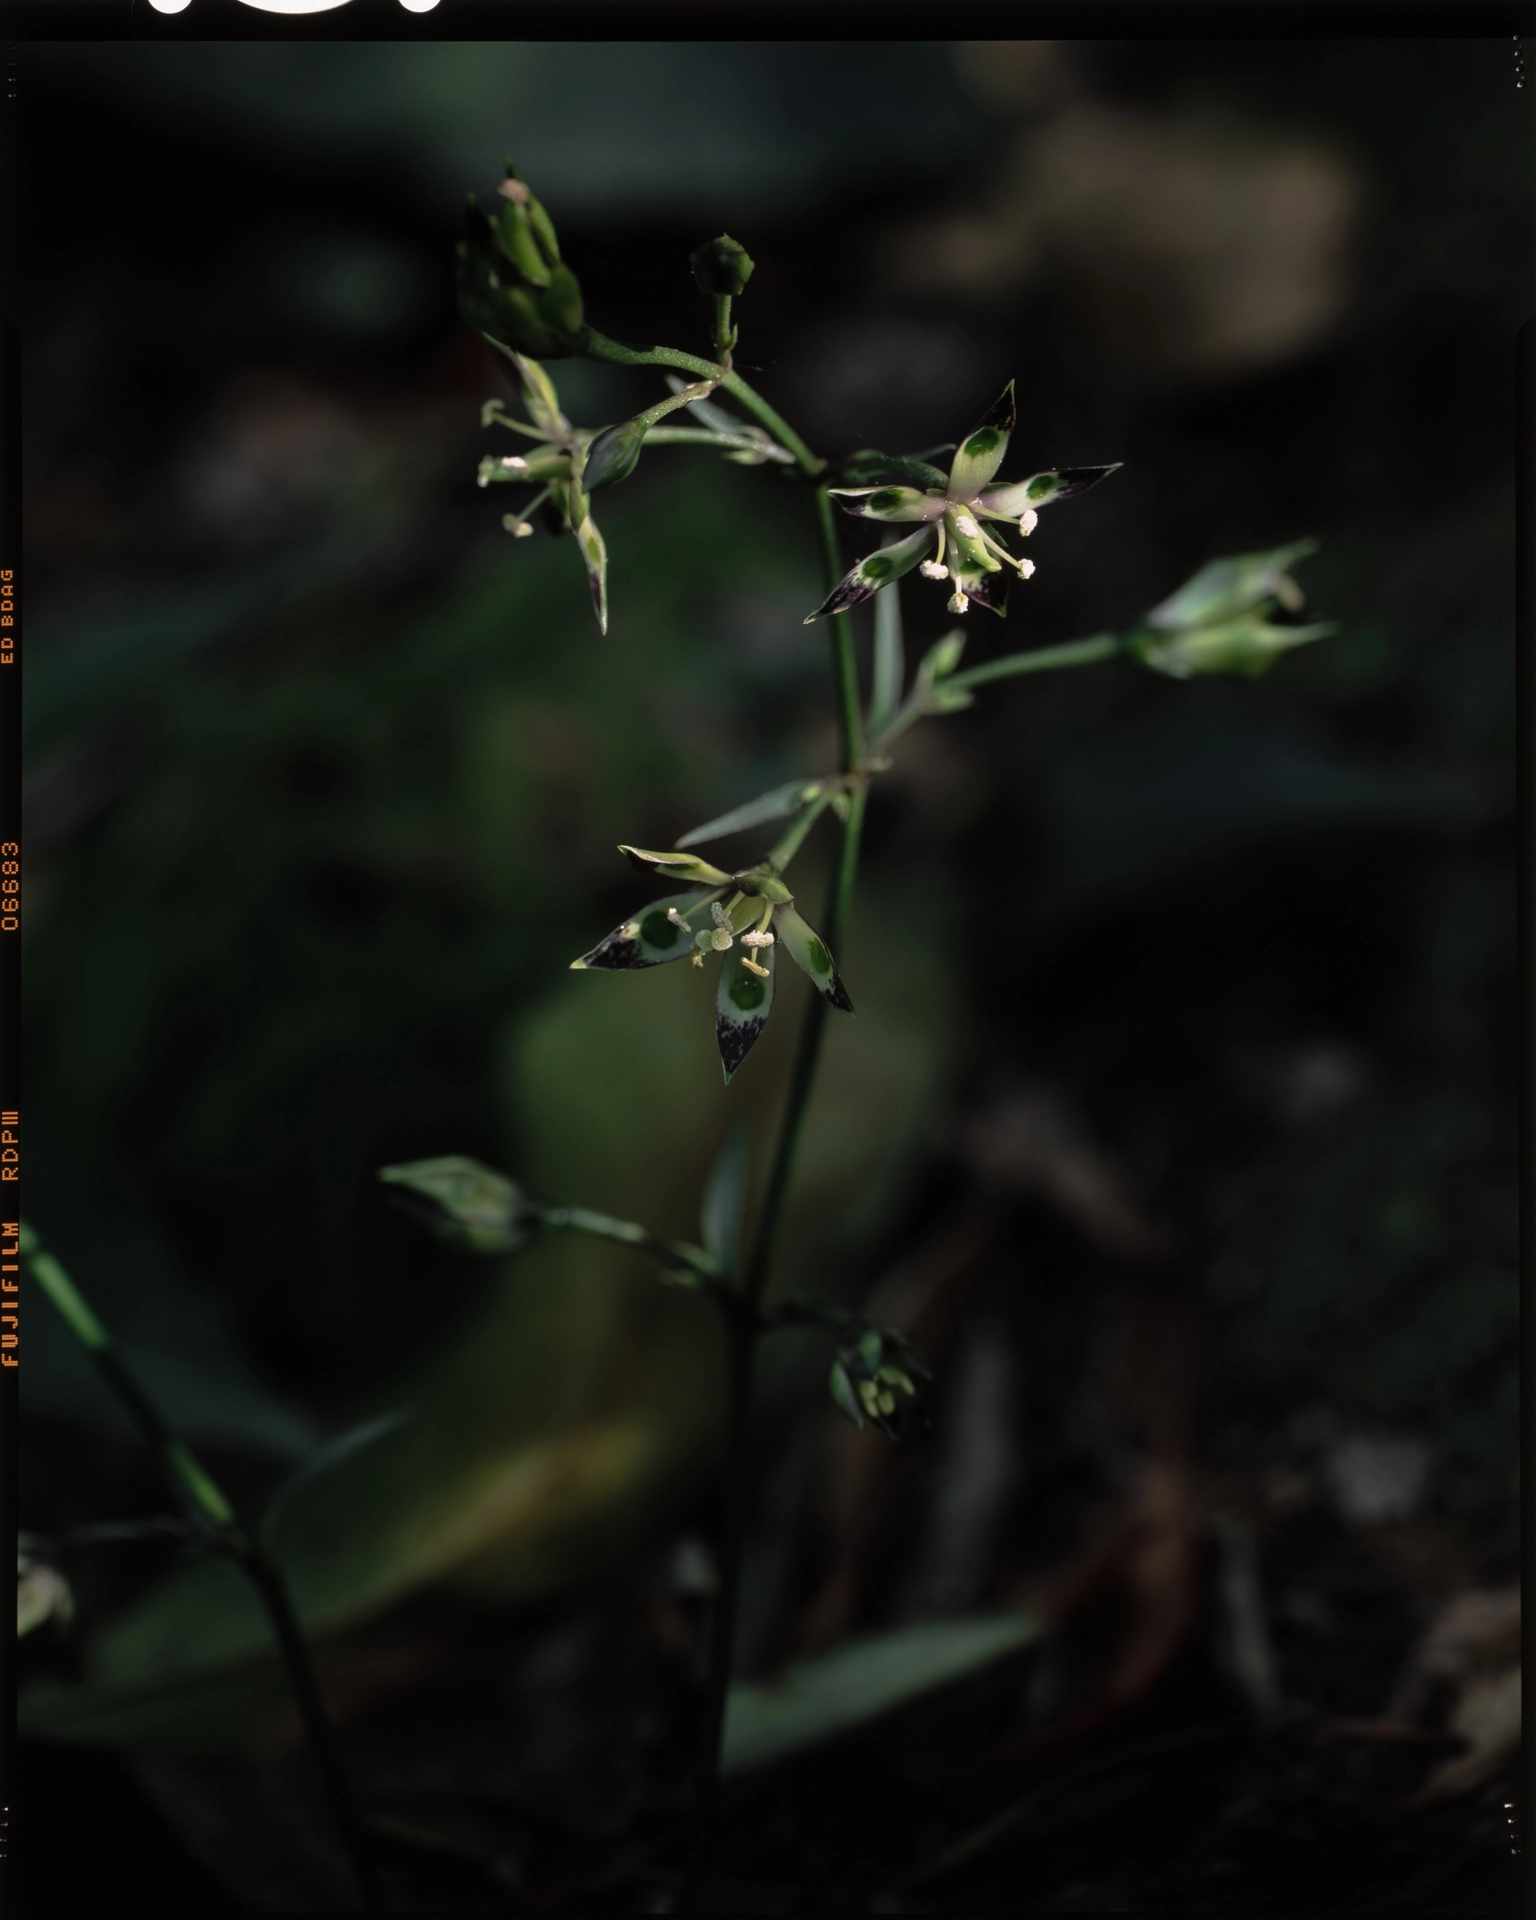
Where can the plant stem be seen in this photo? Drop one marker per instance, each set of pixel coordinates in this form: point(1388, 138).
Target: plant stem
point(599, 347)
point(221, 1530)
point(1072, 653)
point(743, 1330)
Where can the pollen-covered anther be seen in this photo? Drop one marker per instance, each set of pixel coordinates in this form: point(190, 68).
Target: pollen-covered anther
point(1026, 568)
point(1028, 520)
point(958, 603)
point(967, 526)
point(677, 919)
point(752, 967)
point(513, 462)
point(763, 939)
point(931, 570)
point(697, 959)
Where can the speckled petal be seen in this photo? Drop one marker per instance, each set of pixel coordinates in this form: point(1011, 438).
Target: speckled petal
point(648, 939)
point(742, 1004)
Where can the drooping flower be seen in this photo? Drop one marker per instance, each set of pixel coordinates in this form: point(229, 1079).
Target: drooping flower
point(741, 916)
point(879, 1376)
point(1218, 621)
point(951, 515)
point(556, 468)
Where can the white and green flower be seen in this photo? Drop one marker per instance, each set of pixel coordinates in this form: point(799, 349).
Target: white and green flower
point(950, 521)
point(741, 916)
point(555, 467)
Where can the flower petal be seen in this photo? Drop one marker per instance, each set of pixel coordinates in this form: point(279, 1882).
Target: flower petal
point(981, 451)
point(1009, 503)
point(876, 570)
point(540, 398)
point(742, 1003)
point(682, 866)
point(596, 556)
point(988, 589)
point(808, 950)
point(648, 939)
point(888, 503)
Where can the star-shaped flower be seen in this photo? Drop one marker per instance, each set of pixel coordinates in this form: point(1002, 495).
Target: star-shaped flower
point(556, 468)
point(742, 916)
point(952, 513)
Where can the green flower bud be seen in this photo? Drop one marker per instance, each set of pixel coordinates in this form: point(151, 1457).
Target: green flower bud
point(613, 455)
point(1224, 590)
point(512, 285)
point(1245, 647)
point(469, 1205)
point(721, 266)
point(878, 1377)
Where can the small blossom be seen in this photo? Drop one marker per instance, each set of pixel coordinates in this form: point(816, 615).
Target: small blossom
point(744, 917)
point(557, 467)
point(879, 1377)
point(951, 515)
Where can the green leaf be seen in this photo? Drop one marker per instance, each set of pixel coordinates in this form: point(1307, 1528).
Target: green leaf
point(843, 1396)
point(890, 669)
point(725, 1199)
point(743, 1001)
point(981, 452)
point(809, 951)
point(838, 1692)
point(342, 1447)
point(648, 939)
point(774, 805)
point(471, 1206)
point(870, 466)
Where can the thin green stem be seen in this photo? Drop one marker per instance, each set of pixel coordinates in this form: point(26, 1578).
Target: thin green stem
point(598, 346)
point(786, 848)
point(603, 1226)
point(220, 1527)
point(1072, 653)
point(743, 1332)
point(707, 437)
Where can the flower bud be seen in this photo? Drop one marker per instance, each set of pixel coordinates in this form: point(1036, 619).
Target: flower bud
point(1239, 646)
point(470, 1206)
point(1224, 590)
point(512, 285)
point(613, 455)
point(879, 1377)
point(721, 266)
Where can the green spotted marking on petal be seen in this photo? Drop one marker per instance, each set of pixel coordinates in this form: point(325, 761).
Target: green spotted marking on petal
point(981, 451)
point(808, 950)
point(876, 570)
point(888, 503)
point(743, 1000)
point(647, 939)
point(1061, 483)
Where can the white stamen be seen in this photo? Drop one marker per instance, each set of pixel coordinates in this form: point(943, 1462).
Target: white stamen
point(958, 603)
point(757, 939)
point(519, 529)
point(931, 570)
point(1026, 568)
point(1028, 520)
point(720, 917)
point(752, 967)
point(513, 462)
point(967, 526)
point(677, 920)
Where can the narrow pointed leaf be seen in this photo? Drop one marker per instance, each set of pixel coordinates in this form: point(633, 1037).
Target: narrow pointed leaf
point(887, 503)
point(843, 1396)
point(1061, 483)
point(775, 805)
point(809, 951)
point(463, 1201)
point(980, 453)
point(596, 556)
point(650, 939)
point(890, 669)
point(876, 570)
point(679, 866)
point(742, 1004)
point(834, 1693)
point(366, 1434)
point(725, 1198)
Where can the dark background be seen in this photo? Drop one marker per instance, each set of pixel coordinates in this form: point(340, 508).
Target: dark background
point(1177, 1121)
